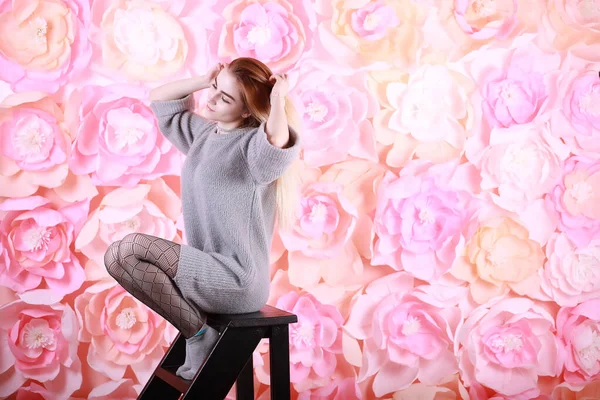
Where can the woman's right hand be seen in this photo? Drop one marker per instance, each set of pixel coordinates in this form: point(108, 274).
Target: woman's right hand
point(213, 72)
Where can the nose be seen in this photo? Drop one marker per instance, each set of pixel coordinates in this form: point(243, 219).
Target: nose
point(213, 99)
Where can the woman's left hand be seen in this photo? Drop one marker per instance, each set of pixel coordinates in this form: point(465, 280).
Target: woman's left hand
point(281, 86)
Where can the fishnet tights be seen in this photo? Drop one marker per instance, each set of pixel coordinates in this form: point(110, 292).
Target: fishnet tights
point(145, 266)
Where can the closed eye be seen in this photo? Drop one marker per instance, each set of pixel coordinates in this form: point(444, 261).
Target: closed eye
point(222, 97)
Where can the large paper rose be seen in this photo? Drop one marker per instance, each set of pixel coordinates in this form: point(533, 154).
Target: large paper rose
point(121, 331)
point(577, 120)
point(568, 22)
point(44, 44)
point(420, 217)
point(500, 256)
point(515, 84)
point(34, 147)
point(407, 332)
point(314, 340)
point(577, 200)
point(579, 332)
point(363, 32)
point(334, 112)
point(277, 32)
point(520, 165)
point(571, 274)
point(426, 114)
point(146, 208)
point(117, 140)
point(39, 342)
point(320, 242)
point(508, 346)
point(472, 24)
point(38, 235)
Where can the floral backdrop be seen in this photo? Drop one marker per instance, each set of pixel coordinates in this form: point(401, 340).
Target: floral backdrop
point(447, 242)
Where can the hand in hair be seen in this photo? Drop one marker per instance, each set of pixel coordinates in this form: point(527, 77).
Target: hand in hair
point(214, 71)
point(281, 86)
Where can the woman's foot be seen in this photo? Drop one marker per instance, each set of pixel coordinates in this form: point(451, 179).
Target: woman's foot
point(187, 362)
point(198, 348)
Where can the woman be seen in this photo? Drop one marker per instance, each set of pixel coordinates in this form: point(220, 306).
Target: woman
point(232, 189)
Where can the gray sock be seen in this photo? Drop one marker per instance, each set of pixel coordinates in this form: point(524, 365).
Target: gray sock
point(187, 362)
point(198, 348)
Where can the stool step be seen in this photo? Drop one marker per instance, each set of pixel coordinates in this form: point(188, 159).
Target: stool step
point(229, 360)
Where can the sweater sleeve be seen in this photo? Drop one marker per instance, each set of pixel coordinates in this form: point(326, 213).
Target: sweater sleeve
point(178, 123)
point(267, 162)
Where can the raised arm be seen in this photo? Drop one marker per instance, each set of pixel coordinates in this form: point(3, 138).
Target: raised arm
point(173, 104)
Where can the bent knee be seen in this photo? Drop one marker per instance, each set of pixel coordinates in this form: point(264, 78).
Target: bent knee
point(111, 257)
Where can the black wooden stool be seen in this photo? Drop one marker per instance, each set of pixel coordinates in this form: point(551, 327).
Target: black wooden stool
point(230, 359)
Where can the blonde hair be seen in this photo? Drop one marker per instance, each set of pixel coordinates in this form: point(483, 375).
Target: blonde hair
point(253, 76)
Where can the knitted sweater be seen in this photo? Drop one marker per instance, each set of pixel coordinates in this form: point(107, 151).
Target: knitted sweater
point(228, 201)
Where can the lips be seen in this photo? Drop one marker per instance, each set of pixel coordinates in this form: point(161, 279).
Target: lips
point(207, 106)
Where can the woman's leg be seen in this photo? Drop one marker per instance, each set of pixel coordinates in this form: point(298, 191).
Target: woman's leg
point(145, 266)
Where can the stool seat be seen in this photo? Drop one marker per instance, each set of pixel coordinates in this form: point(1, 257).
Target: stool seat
point(230, 360)
point(267, 316)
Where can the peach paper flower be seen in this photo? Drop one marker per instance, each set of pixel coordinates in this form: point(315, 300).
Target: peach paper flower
point(34, 147)
point(117, 138)
point(39, 342)
point(500, 256)
point(365, 32)
point(44, 44)
point(426, 115)
point(122, 331)
point(568, 22)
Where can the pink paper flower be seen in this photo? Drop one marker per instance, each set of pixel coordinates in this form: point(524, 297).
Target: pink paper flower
point(507, 346)
point(121, 331)
point(37, 235)
point(44, 45)
point(372, 21)
point(427, 115)
point(566, 391)
point(345, 389)
point(515, 84)
point(315, 339)
point(322, 236)
point(571, 274)
point(419, 220)
point(276, 32)
point(577, 200)
point(485, 19)
point(520, 165)
point(500, 256)
point(577, 120)
point(579, 333)
point(407, 332)
point(39, 342)
point(334, 111)
point(34, 148)
point(146, 208)
point(118, 140)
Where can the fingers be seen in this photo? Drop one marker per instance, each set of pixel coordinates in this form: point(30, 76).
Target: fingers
point(277, 77)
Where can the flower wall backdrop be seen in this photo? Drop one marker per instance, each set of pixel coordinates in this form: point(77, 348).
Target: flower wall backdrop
point(447, 242)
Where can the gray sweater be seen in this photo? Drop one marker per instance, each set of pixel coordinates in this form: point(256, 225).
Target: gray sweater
point(228, 200)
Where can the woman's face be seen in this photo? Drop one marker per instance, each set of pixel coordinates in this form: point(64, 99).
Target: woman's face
point(224, 99)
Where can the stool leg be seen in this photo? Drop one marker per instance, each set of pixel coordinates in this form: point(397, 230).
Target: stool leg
point(279, 356)
point(244, 386)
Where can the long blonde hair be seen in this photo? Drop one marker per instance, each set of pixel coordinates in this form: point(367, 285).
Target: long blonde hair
point(253, 76)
